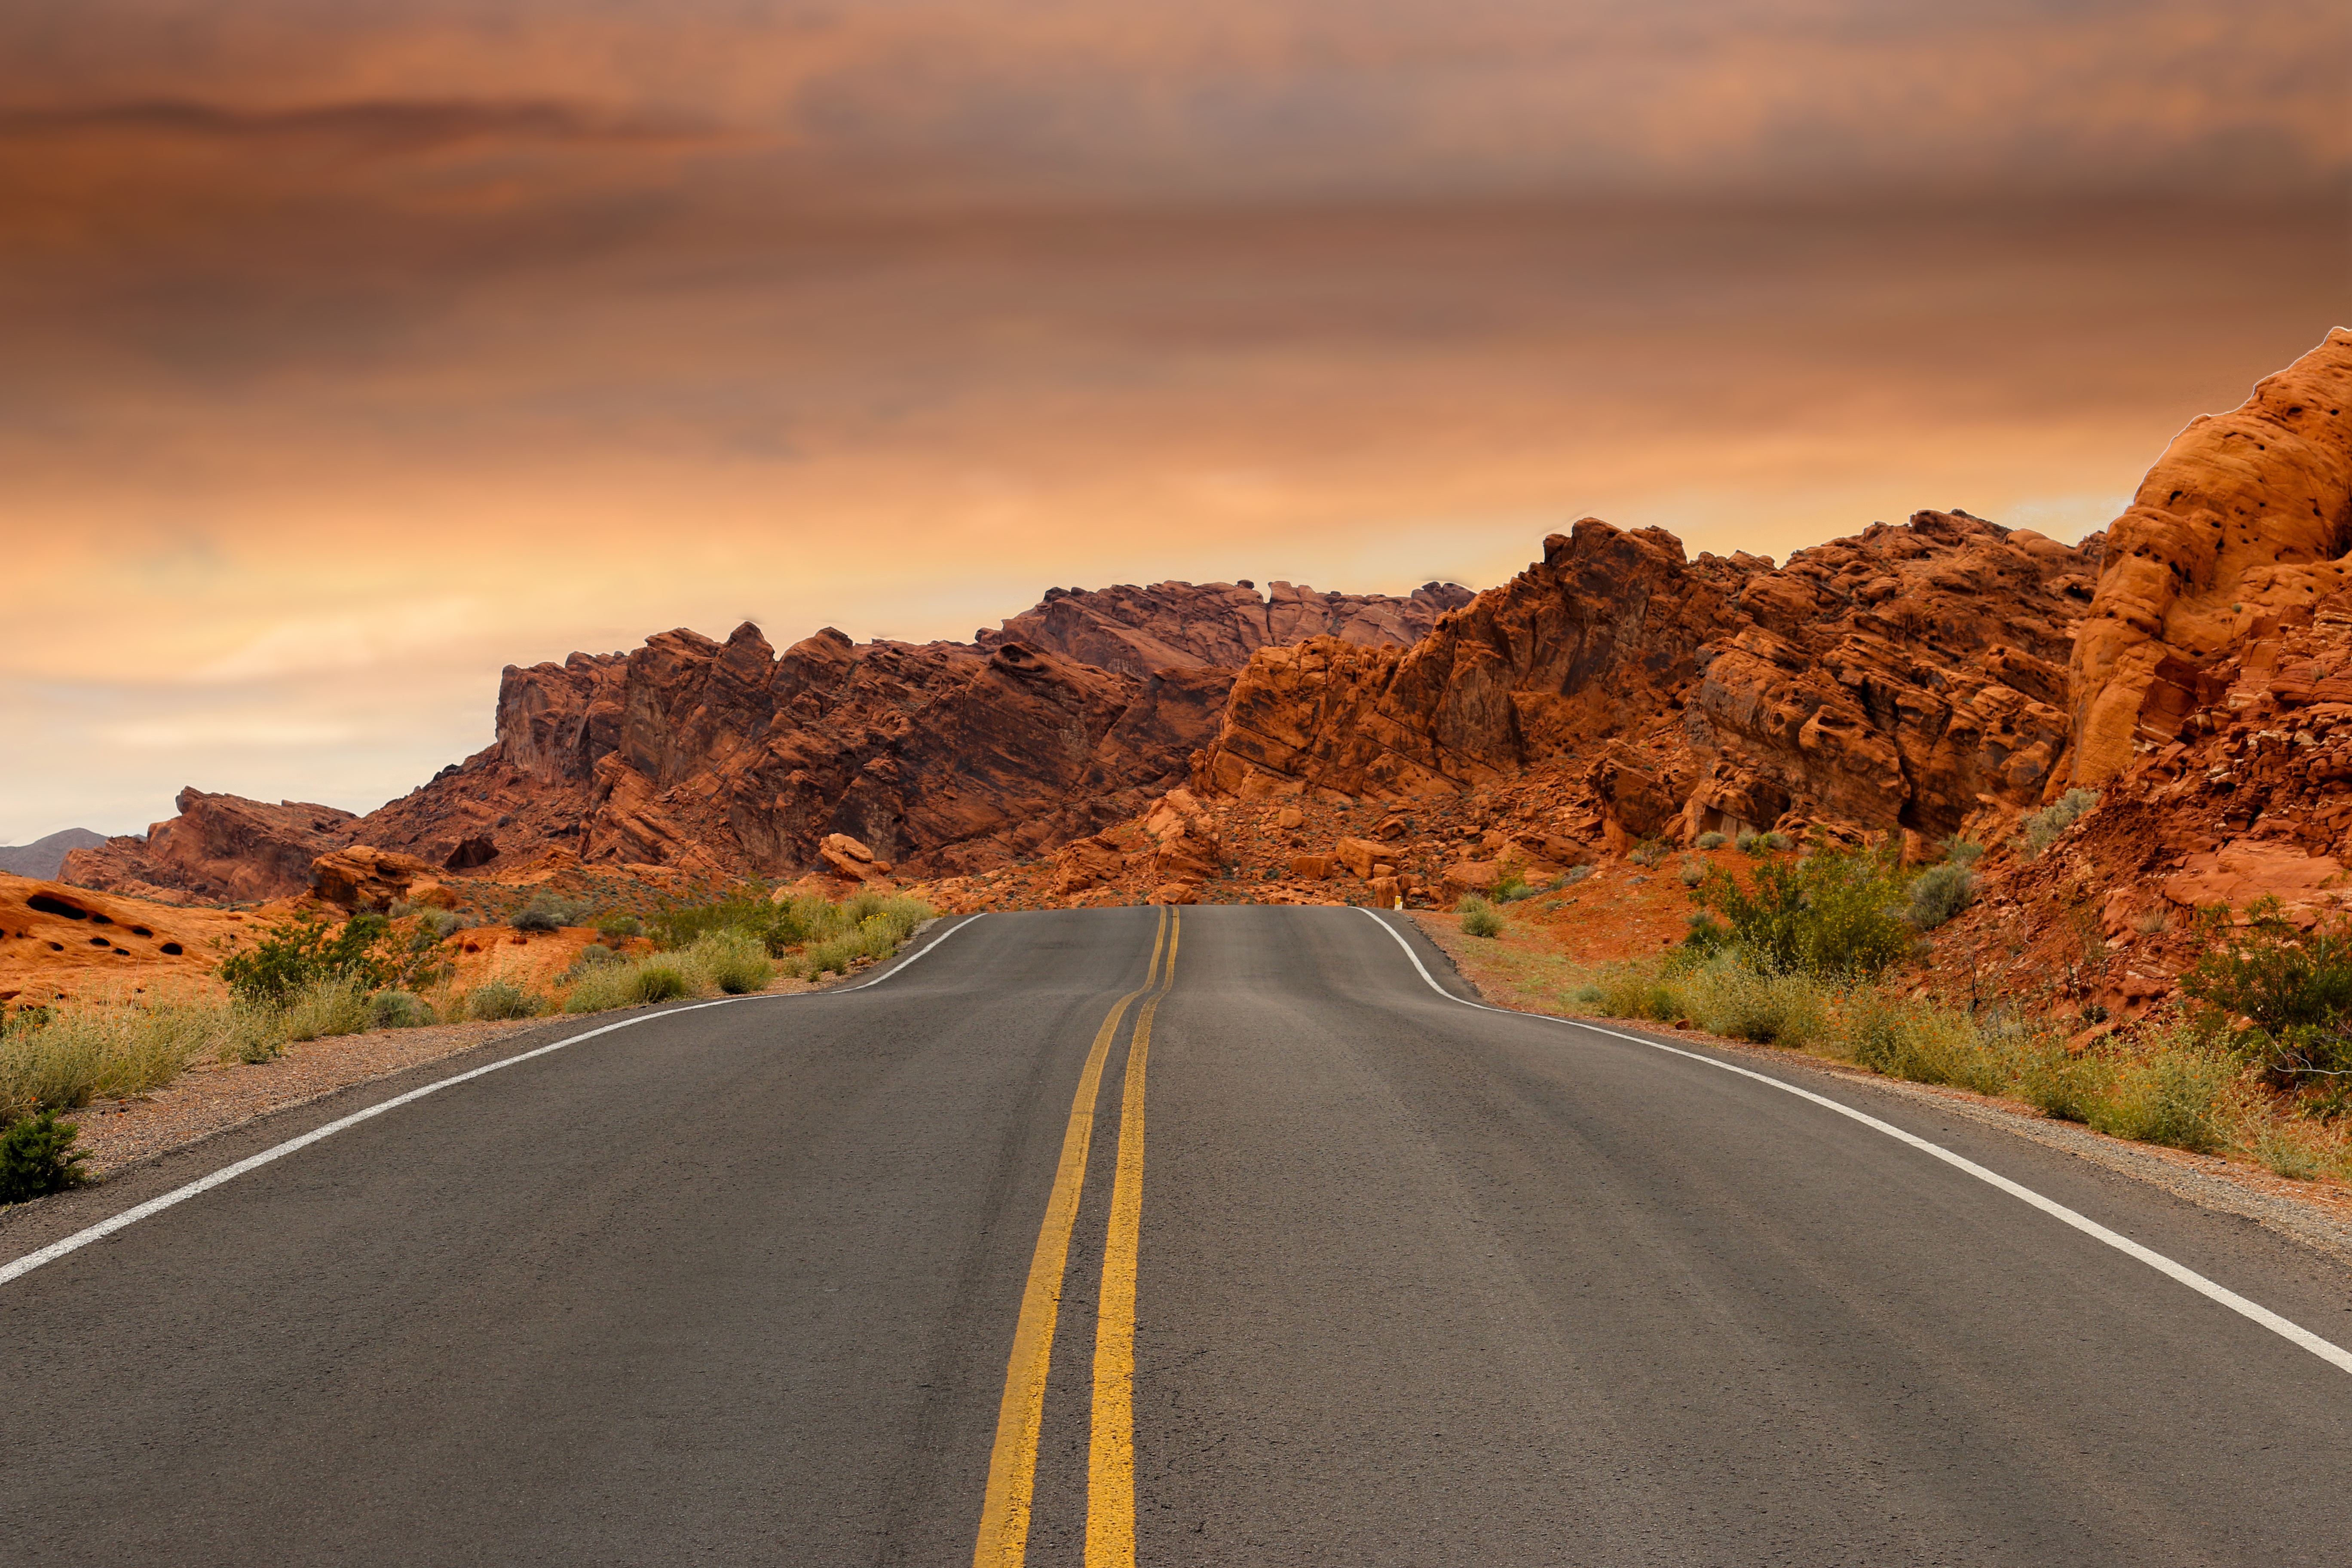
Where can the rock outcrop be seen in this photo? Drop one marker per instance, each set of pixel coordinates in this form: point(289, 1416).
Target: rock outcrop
point(1909, 676)
point(726, 759)
point(2241, 528)
point(221, 848)
point(1135, 631)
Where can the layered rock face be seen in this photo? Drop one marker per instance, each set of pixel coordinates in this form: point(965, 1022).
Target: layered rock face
point(726, 759)
point(2240, 529)
point(1135, 631)
point(221, 847)
point(1909, 676)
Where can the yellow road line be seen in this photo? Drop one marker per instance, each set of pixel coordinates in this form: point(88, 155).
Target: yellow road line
point(1013, 1463)
point(1110, 1452)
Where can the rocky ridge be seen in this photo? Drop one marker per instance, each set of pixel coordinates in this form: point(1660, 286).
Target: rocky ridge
point(726, 759)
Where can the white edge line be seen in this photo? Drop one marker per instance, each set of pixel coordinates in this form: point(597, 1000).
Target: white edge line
point(133, 1215)
point(2325, 1350)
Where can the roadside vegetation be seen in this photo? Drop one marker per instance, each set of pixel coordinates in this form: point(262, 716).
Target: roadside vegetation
point(2255, 1058)
point(304, 978)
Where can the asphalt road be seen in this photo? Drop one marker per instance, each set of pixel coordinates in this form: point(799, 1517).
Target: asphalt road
point(1411, 1283)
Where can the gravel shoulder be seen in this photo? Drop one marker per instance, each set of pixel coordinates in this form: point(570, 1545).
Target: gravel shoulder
point(2316, 1214)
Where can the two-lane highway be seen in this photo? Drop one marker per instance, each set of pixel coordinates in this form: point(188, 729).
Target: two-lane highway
point(1211, 1236)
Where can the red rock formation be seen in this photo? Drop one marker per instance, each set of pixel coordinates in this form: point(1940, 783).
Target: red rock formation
point(725, 759)
point(1179, 625)
point(221, 847)
point(2241, 526)
point(1905, 676)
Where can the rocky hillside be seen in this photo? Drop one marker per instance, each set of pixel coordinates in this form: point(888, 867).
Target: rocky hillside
point(1947, 675)
point(729, 759)
point(1910, 677)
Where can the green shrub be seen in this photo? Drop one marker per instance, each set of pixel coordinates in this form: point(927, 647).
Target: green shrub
point(735, 962)
point(294, 954)
point(1827, 914)
point(397, 1010)
point(1779, 841)
point(1480, 918)
point(1574, 875)
point(327, 1007)
point(549, 911)
point(1693, 873)
point(38, 1158)
point(442, 923)
point(1649, 854)
point(594, 954)
point(2286, 1152)
point(1940, 892)
point(501, 999)
point(2177, 1096)
point(2041, 828)
point(2294, 989)
point(1740, 1002)
point(62, 1058)
point(1749, 842)
point(1711, 840)
point(616, 928)
point(657, 981)
point(2065, 1085)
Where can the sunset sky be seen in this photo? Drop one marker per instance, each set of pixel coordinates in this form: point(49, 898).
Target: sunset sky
point(357, 348)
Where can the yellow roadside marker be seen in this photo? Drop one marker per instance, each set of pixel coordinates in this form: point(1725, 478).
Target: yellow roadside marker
point(1013, 1463)
point(1110, 1453)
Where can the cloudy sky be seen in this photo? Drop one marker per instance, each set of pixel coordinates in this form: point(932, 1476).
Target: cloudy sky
point(358, 348)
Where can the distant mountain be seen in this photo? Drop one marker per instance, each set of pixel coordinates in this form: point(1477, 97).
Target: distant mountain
point(43, 857)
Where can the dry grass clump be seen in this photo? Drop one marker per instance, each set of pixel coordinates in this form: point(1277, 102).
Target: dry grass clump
point(2173, 1085)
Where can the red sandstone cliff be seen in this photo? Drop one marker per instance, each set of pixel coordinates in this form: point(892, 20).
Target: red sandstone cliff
point(1910, 676)
point(726, 759)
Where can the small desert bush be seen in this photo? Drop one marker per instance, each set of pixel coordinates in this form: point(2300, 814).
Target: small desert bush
point(1480, 918)
point(1711, 840)
point(2041, 829)
point(38, 1158)
point(1649, 854)
point(659, 980)
point(2066, 1086)
point(81, 1050)
point(2291, 988)
point(502, 999)
point(2176, 1093)
point(328, 1006)
point(1740, 1002)
point(1826, 914)
point(1940, 892)
point(397, 1010)
point(735, 962)
point(1694, 872)
point(548, 911)
point(289, 956)
point(616, 928)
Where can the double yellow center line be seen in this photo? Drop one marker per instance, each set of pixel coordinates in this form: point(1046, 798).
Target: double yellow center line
point(1110, 1453)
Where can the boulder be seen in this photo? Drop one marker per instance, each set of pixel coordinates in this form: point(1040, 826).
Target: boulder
point(1359, 855)
point(360, 877)
point(850, 860)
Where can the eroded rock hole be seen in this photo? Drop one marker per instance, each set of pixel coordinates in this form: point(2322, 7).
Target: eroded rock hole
point(99, 942)
point(53, 906)
point(173, 948)
point(141, 930)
